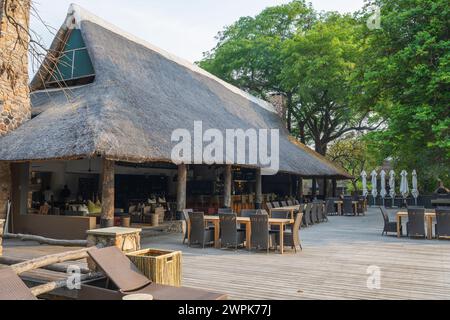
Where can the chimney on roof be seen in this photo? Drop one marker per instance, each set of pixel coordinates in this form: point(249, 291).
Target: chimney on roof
point(279, 101)
point(15, 107)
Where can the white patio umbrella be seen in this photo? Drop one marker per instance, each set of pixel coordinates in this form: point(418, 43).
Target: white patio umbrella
point(364, 183)
point(374, 175)
point(404, 186)
point(415, 188)
point(392, 184)
point(383, 192)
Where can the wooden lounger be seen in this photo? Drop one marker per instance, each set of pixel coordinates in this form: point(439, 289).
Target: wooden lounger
point(12, 287)
point(129, 280)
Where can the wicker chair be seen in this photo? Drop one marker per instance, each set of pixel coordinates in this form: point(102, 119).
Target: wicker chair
point(323, 216)
point(269, 206)
point(388, 225)
point(443, 223)
point(276, 204)
point(330, 208)
point(415, 227)
point(307, 215)
point(247, 213)
point(199, 234)
point(230, 235)
point(348, 207)
point(279, 215)
point(262, 238)
point(360, 208)
point(186, 219)
point(315, 213)
point(284, 204)
point(292, 239)
point(290, 203)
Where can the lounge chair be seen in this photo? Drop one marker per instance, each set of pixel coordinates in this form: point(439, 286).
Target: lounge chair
point(12, 287)
point(443, 223)
point(199, 234)
point(388, 225)
point(123, 278)
point(415, 227)
point(230, 235)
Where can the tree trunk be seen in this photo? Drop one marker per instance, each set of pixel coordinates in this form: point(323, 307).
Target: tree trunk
point(321, 148)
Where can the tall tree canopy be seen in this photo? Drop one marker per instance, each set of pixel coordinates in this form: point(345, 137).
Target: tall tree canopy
point(307, 57)
point(406, 77)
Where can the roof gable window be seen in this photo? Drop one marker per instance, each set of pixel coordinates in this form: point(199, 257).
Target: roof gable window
point(74, 66)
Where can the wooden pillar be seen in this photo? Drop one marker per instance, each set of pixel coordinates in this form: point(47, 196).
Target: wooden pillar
point(228, 176)
point(300, 188)
point(108, 193)
point(259, 196)
point(334, 182)
point(325, 188)
point(181, 187)
point(314, 188)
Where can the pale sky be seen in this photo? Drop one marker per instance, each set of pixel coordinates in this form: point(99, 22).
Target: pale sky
point(185, 28)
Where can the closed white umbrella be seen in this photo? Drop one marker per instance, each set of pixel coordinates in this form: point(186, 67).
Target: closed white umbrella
point(374, 175)
point(364, 184)
point(383, 192)
point(392, 186)
point(415, 188)
point(404, 185)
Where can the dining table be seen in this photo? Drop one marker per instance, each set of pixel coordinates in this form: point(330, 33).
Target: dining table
point(429, 217)
point(292, 210)
point(215, 220)
point(340, 203)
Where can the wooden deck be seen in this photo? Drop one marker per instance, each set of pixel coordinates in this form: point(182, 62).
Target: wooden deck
point(333, 264)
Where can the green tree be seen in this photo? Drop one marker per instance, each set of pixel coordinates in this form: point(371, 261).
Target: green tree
point(406, 78)
point(319, 65)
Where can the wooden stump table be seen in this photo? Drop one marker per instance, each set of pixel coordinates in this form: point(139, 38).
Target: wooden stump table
point(126, 239)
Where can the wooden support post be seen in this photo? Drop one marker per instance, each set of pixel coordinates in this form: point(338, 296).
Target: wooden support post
point(228, 176)
point(259, 197)
point(334, 182)
point(314, 188)
point(108, 191)
point(181, 188)
point(300, 189)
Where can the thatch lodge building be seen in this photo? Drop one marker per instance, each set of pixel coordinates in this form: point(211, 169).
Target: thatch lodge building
point(104, 106)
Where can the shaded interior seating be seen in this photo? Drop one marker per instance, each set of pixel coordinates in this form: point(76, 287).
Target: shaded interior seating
point(388, 225)
point(284, 204)
point(307, 215)
point(296, 202)
point(186, 219)
point(135, 214)
point(262, 237)
point(290, 203)
point(276, 204)
point(230, 235)
point(442, 223)
point(225, 210)
point(200, 234)
point(292, 238)
point(347, 209)
point(126, 279)
point(269, 206)
point(146, 214)
point(12, 287)
point(415, 227)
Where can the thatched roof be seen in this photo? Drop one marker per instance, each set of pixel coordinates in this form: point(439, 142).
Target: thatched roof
point(139, 96)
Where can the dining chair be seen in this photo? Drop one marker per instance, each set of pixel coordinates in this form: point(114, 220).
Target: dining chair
point(307, 215)
point(276, 204)
point(186, 219)
point(292, 238)
point(348, 207)
point(315, 213)
point(279, 215)
point(262, 238)
point(331, 208)
point(225, 211)
point(388, 225)
point(199, 234)
point(442, 223)
point(230, 235)
point(415, 227)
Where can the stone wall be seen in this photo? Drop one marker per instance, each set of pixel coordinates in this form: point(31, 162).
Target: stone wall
point(15, 105)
